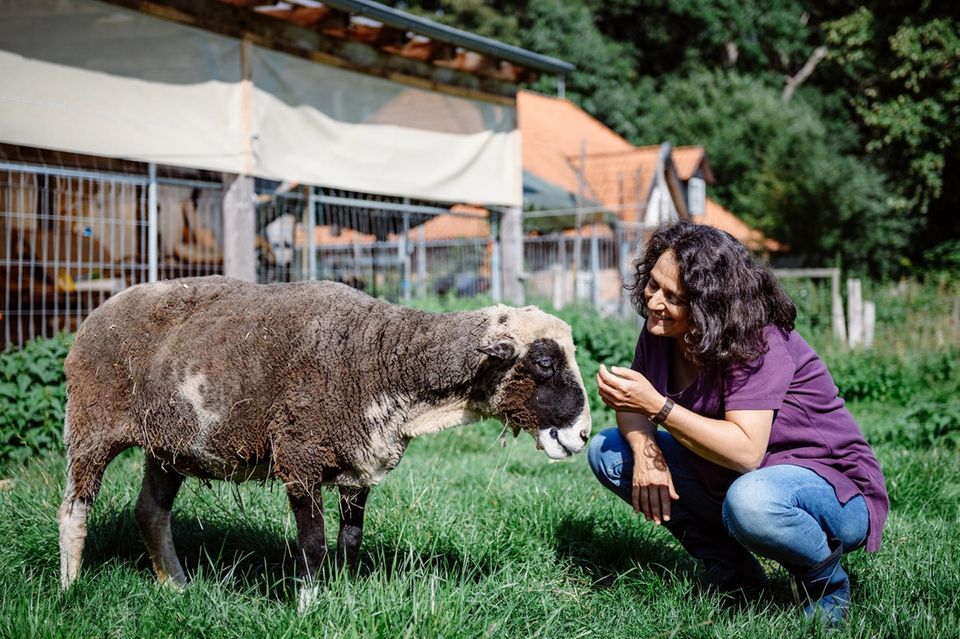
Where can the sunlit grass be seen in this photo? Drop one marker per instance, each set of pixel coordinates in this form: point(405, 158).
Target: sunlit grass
point(464, 539)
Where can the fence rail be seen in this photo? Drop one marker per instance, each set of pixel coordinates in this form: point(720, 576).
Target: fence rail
point(71, 238)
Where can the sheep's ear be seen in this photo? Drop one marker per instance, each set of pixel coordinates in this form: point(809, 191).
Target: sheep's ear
point(502, 349)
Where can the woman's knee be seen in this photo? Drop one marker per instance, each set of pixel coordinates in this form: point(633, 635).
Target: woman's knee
point(753, 507)
point(605, 454)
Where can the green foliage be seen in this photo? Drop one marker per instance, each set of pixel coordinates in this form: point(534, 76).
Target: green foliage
point(33, 392)
point(492, 19)
point(928, 425)
point(605, 82)
point(907, 92)
point(780, 168)
point(942, 262)
point(885, 376)
point(677, 35)
point(599, 341)
point(862, 165)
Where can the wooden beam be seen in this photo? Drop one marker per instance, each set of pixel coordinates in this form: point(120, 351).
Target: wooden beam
point(220, 17)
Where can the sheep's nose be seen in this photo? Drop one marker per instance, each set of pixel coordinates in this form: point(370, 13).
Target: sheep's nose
point(585, 435)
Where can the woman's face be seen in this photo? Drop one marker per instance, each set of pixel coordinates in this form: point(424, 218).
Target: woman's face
point(668, 313)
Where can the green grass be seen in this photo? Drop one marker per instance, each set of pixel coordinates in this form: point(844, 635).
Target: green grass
point(464, 539)
point(468, 539)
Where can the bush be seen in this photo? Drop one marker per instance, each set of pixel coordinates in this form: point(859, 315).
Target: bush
point(33, 388)
point(928, 425)
point(881, 376)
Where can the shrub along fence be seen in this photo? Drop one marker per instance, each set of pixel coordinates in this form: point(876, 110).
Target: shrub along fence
point(33, 392)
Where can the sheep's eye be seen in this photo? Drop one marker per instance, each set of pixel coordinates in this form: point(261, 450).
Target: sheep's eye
point(544, 365)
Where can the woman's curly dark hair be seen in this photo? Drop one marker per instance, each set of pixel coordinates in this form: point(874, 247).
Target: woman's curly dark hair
point(731, 296)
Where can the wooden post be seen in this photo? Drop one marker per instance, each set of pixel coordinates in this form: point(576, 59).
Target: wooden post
point(854, 312)
point(869, 323)
point(153, 228)
point(511, 238)
point(421, 261)
point(559, 282)
point(496, 275)
point(594, 268)
point(310, 228)
point(404, 256)
point(564, 271)
point(578, 240)
point(836, 308)
point(239, 210)
point(239, 228)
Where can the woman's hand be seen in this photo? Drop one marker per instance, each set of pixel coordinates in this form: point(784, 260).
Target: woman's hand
point(652, 484)
point(626, 390)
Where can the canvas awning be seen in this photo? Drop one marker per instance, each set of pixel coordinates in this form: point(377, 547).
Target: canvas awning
point(89, 77)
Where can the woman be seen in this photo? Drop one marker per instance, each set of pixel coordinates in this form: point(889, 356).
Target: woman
point(758, 453)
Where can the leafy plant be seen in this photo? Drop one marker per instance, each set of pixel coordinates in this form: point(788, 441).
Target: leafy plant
point(33, 393)
point(929, 425)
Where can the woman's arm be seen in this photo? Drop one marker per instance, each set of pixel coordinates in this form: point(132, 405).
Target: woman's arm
point(738, 441)
point(652, 483)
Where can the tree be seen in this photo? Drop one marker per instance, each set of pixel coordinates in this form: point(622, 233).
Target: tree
point(778, 167)
point(903, 78)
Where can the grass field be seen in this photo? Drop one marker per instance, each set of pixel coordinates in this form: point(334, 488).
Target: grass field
point(464, 539)
point(470, 539)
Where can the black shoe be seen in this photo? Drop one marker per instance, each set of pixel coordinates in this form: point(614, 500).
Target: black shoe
point(823, 589)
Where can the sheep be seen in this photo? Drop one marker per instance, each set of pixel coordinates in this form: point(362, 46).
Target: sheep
point(311, 383)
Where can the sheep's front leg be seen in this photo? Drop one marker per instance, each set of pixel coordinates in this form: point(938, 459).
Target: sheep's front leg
point(307, 509)
point(352, 505)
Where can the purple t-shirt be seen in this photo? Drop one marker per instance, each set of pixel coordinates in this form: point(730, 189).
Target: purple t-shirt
point(811, 426)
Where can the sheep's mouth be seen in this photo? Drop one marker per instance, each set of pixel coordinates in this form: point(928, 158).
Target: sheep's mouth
point(551, 441)
point(555, 435)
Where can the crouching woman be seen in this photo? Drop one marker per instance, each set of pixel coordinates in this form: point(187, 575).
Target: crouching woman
point(758, 454)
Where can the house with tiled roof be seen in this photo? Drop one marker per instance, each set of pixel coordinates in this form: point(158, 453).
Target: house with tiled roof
point(569, 157)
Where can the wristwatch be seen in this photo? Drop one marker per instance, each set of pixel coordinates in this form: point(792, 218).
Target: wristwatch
point(661, 417)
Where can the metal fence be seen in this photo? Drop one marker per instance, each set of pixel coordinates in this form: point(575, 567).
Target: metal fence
point(69, 239)
point(388, 247)
point(588, 265)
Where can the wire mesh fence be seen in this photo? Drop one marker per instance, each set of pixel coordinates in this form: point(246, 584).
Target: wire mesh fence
point(69, 239)
point(588, 265)
point(389, 247)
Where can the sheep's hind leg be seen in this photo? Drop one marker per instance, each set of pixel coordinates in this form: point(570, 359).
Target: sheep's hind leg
point(307, 509)
point(72, 519)
point(85, 468)
point(353, 502)
point(152, 514)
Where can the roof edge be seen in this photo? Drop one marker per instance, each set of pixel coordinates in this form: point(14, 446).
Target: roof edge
point(403, 20)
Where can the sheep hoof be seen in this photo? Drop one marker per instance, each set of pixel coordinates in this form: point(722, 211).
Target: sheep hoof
point(173, 585)
point(307, 597)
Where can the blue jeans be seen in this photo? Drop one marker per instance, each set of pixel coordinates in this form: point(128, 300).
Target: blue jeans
point(785, 513)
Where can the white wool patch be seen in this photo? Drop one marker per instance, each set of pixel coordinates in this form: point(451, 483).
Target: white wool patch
point(394, 420)
point(191, 390)
point(433, 419)
point(527, 324)
point(73, 531)
point(381, 409)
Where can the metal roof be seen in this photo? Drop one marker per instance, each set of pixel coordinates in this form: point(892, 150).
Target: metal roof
point(402, 20)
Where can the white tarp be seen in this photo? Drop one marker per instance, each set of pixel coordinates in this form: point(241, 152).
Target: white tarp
point(89, 77)
point(323, 125)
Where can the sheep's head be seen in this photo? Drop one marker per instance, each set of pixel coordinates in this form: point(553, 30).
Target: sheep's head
point(542, 391)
